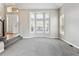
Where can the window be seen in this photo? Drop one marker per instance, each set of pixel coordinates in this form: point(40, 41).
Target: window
point(11, 9)
point(32, 22)
point(39, 22)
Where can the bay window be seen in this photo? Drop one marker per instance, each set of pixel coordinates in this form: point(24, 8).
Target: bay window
point(39, 22)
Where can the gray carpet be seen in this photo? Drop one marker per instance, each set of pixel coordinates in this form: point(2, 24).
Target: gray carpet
point(40, 47)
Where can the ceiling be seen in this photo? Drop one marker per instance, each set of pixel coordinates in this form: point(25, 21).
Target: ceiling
point(38, 5)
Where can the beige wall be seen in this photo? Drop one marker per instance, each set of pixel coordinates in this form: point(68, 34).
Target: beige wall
point(24, 22)
point(2, 10)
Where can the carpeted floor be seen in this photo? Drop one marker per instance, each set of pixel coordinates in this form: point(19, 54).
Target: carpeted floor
point(40, 47)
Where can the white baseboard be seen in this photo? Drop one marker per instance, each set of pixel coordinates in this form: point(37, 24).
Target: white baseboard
point(70, 43)
point(43, 37)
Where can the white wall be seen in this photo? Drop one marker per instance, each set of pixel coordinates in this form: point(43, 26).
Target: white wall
point(72, 23)
point(24, 25)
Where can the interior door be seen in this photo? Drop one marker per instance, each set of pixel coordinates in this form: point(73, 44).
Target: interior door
point(12, 23)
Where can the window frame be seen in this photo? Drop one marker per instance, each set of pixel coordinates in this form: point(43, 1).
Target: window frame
point(43, 21)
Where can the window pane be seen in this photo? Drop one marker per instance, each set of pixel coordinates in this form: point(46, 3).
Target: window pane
point(39, 23)
point(32, 22)
point(46, 15)
point(32, 15)
point(39, 16)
